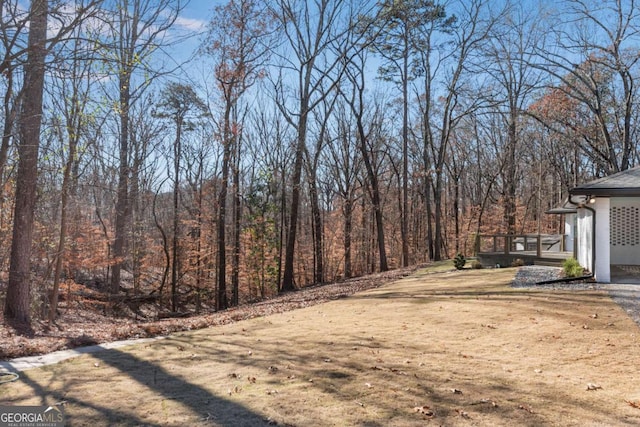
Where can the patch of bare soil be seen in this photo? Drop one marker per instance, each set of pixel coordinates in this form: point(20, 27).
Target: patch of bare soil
point(85, 323)
point(454, 348)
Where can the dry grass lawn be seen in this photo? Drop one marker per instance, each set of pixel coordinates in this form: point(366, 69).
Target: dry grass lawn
point(446, 348)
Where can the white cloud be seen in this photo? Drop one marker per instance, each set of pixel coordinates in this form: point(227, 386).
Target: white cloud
point(191, 24)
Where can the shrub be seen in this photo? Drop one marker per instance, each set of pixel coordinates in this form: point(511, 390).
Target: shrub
point(459, 261)
point(476, 265)
point(518, 262)
point(572, 268)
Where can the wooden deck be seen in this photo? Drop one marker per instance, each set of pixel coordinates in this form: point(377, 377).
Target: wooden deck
point(532, 249)
point(552, 258)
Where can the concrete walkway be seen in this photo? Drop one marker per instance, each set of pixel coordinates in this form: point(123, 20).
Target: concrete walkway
point(627, 296)
point(30, 362)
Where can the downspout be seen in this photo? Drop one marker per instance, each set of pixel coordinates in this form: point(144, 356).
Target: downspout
point(593, 234)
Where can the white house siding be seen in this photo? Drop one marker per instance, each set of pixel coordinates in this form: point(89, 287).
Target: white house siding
point(625, 230)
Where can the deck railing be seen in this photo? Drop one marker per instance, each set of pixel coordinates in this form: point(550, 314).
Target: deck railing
point(513, 243)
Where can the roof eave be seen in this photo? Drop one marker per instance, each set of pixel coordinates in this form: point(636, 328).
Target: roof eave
point(605, 192)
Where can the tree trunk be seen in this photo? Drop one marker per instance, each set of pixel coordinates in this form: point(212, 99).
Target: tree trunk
point(64, 208)
point(404, 212)
point(318, 271)
point(288, 283)
point(375, 197)
point(287, 278)
point(437, 207)
point(510, 179)
point(348, 225)
point(10, 112)
point(221, 300)
point(237, 223)
point(16, 309)
point(122, 201)
point(177, 153)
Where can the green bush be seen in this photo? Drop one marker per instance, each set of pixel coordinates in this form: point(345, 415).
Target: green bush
point(459, 261)
point(572, 268)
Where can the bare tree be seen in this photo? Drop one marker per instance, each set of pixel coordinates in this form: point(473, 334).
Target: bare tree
point(452, 61)
point(310, 29)
point(179, 103)
point(236, 41)
point(138, 29)
point(355, 97)
point(343, 165)
point(12, 34)
point(312, 165)
point(514, 80)
point(592, 58)
point(16, 309)
point(73, 84)
point(399, 41)
point(266, 195)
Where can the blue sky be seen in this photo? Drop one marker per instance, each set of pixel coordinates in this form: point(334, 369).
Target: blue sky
point(193, 20)
point(197, 13)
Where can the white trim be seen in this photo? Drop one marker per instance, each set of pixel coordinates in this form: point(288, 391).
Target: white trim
point(602, 270)
point(586, 235)
point(584, 238)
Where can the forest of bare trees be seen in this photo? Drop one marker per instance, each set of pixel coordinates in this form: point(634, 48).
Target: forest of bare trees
point(303, 142)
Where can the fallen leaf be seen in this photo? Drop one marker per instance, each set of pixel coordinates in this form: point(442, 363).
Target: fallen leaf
point(456, 391)
point(462, 413)
point(424, 410)
point(594, 316)
point(493, 403)
point(526, 408)
point(252, 380)
point(368, 385)
point(635, 404)
point(592, 386)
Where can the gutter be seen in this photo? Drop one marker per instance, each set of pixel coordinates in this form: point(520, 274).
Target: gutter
point(593, 234)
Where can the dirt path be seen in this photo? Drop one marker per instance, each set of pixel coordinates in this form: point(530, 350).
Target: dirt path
point(458, 348)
